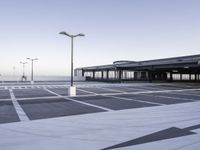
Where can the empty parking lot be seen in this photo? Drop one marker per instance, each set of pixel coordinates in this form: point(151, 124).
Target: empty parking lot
point(49, 101)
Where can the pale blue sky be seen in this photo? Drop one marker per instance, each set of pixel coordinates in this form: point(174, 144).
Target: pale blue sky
point(115, 30)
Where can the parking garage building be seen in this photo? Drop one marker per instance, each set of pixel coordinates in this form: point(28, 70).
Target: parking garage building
point(185, 68)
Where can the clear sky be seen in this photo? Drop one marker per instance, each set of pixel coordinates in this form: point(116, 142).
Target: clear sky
point(114, 29)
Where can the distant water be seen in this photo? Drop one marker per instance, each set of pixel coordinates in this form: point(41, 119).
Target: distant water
point(39, 78)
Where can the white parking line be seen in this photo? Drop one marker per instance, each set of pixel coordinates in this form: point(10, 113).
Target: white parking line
point(130, 99)
point(146, 92)
point(109, 89)
point(147, 88)
point(5, 99)
point(85, 103)
point(20, 112)
point(137, 88)
point(87, 91)
point(33, 98)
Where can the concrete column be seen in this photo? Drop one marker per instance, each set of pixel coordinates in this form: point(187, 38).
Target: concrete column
point(102, 75)
point(171, 77)
point(83, 72)
point(135, 75)
point(107, 74)
point(93, 76)
point(181, 77)
point(165, 76)
point(120, 75)
point(190, 77)
point(125, 74)
point(150, 76)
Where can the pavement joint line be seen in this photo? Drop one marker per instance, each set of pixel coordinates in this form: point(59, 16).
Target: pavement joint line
point(183, 99)
point(137, 100)
point(164, 88)
point(186, 94)
point(169, 97)
point(85, 103)
point(20, 112)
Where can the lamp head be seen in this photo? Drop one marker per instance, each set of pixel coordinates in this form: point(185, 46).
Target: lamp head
point(64, 33)
point(81, 34)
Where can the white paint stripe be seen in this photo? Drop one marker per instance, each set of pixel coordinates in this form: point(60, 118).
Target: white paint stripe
point(20, 112)
point(54, 93)
point(85, 103)
point(162, 91)
point(137, 100)
point(135, 88)
point(5, 99)
point(87, 91)
point(48, 97)
point(114, 90)
point(32, 98)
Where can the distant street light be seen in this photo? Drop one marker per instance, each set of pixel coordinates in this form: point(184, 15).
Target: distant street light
point(32, 60)
point(72, 89)
point(23, 76)
point(1, 78)
point(14, 73)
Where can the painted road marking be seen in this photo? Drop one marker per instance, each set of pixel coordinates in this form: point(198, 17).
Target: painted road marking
point(71, 99)
point(20, 112)
point(114, 90)
point(88, 92)
point(137, 100)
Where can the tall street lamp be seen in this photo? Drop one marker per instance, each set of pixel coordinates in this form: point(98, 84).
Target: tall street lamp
point(72, 89)
point(23, 76)
point(32, 60)
point(1, 78)
point(14, 73)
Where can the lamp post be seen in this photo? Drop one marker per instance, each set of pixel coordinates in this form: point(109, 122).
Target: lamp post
point(32, 60)
point(72, 89)
point(1, 78)
point(14, 73)
point(23, 76)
